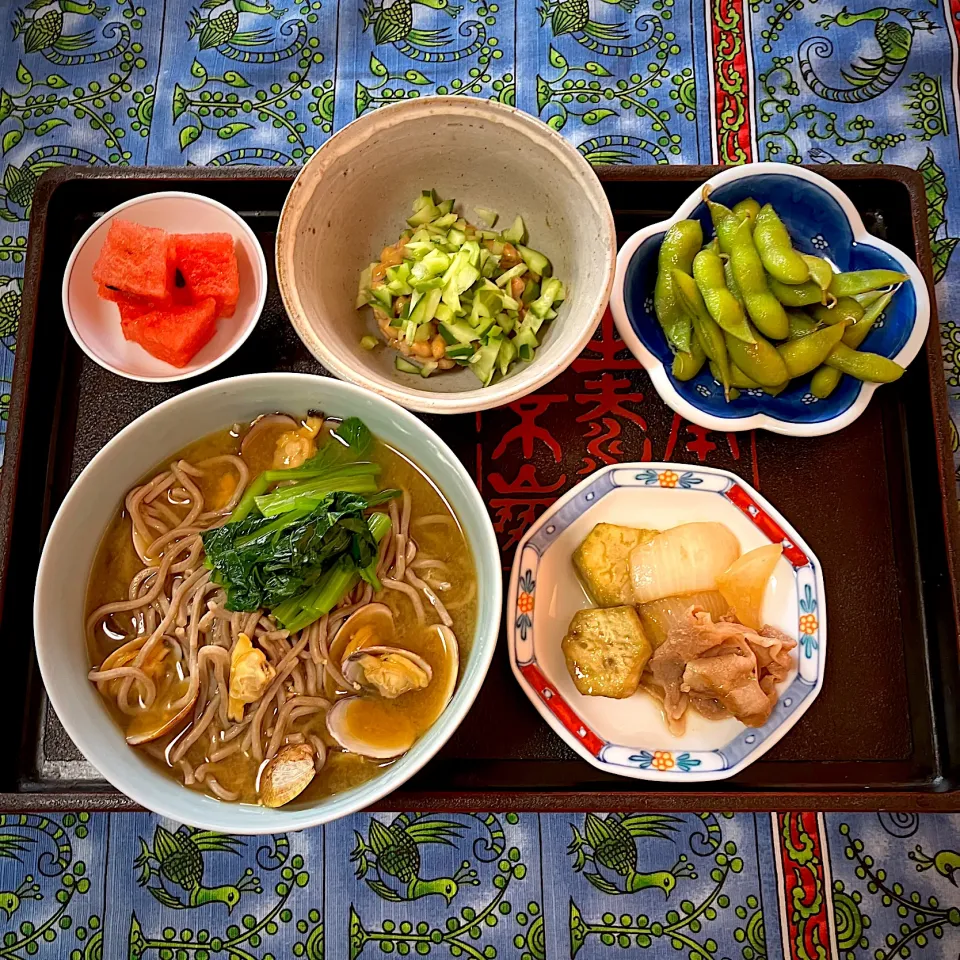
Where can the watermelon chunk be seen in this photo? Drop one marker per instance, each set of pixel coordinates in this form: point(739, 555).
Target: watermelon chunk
point(208, 264)
point(134, 261)
point(174, 334)
point(130, 313)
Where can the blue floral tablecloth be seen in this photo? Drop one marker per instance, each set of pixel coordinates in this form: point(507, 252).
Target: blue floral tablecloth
point(668, 81)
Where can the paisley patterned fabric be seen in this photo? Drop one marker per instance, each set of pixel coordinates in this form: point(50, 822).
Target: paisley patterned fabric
point(627, 81)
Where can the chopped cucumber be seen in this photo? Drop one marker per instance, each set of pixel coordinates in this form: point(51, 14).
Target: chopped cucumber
point(451, 280)
point(483, 362)
point(517, 271)
point(458, 332)
point(516, 233)
point(460, 351)
point(404, 365)
point(535, 260)
point(488, 216)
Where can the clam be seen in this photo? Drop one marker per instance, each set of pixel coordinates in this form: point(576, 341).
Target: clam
point(375, 724)
point(262, 424)
point(287, 775)
point(166, 712)
point(370, 626)
point(358, 725)
point(391, 671)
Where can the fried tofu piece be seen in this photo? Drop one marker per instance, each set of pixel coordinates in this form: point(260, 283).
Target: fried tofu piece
point(606, 651)
point(602, 562)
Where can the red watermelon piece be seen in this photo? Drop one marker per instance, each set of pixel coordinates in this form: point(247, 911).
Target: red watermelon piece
point(174, 334)
point(130, 313)
point(134, 261)
point(207, 262)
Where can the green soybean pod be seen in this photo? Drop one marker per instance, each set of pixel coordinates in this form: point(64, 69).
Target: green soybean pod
point(738, 378)
point(773, 243)
point(747, 209)
point(725, 223)
point(721, 304)
point(864, 366)
point(731, 281)
point(863, 281)
point(821, 273)
point(801, 324)
point(855, 334)
point(687, 365)
point(677, 250)
point(758, 360)
point(804, 354)
point(706, 330)
point(845, 310)
point(764, 308)
point(800, 295)
point(824, 381)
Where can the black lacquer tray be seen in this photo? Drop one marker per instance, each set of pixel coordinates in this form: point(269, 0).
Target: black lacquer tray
point(876, 502)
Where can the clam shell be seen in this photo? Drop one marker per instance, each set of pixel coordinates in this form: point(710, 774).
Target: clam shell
point(155, 722)
point(377, 615)
point(262, 423)
point(345, 718)
point(287, 775)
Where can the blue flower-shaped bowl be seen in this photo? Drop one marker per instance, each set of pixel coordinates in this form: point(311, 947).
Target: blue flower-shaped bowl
point(823, 221)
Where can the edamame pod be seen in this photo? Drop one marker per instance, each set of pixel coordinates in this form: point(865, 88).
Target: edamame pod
point(687, 365)
point(677, 250)
point(821, 273)
point(731, 281)
point(801, 324)
point(721, 304)
point(801, 295)
point(747, 210)
point(864, 366)
point(863, 281)
point(739, 380)
point(824, 381)
point(764, 309)
point(773, 243)
point(845, 310)
point(855, 334)
point(758, 360)
point(804, 354)
point(724, 224)
point(706, 330)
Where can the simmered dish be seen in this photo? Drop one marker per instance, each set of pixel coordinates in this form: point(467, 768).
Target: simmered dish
point(280, 610)
point(677, 615)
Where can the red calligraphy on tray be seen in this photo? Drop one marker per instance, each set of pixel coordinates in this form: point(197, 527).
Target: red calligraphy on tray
point(606, 351)
point(601, 410)
point(608, 396)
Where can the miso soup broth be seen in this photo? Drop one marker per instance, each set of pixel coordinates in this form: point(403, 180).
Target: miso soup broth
point(279, 612)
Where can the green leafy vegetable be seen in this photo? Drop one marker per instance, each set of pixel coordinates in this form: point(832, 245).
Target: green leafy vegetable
point(298, 548)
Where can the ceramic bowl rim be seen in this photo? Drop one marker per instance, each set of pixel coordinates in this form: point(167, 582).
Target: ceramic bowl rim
point(338, 805)
point(501, 392)
point(783, 727)
point(260, 267)
point(658, 372)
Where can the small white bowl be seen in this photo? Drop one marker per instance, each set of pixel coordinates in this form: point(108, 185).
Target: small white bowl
point(628, 737)
point(351, 200)
point(95, 323)
point(60, 599)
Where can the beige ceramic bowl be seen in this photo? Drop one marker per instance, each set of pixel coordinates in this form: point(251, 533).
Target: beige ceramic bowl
point(352, 199)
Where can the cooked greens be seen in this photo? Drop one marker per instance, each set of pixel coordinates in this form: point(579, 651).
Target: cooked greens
point(299, 548)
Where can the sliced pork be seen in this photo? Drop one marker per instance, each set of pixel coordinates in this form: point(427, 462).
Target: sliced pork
point(720, 669)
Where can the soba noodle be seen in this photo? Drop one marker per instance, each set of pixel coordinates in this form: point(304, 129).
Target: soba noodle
point(163, 651)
